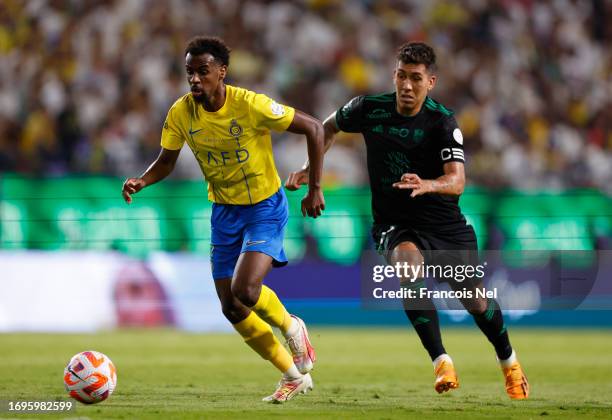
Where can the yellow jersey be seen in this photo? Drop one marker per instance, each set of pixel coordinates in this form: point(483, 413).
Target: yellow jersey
point(232, 145)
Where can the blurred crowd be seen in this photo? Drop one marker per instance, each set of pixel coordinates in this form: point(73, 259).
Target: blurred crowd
point(85, 85)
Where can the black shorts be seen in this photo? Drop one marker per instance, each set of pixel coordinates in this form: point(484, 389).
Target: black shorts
point(449, 248)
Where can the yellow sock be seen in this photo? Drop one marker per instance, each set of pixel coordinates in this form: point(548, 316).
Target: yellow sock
point(259, 336)
point(270, 309)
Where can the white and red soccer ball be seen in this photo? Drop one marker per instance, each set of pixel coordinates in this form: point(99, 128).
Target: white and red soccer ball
point(90, 377)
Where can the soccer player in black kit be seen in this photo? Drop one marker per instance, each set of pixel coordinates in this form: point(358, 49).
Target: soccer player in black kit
point(416, 169)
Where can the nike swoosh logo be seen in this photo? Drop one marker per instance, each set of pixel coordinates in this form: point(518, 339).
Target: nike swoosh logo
point(249, 243)
point(192, 132)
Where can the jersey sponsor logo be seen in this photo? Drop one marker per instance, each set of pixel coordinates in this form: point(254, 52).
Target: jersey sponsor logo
point(166, 125)
point(345, 110)
point(250, 243)
point(235, 129)
point(225, 157)
point(399, 132)
point(192, 132)
point(379, 113)
point(458, 136)
point(416, 135)
point(277, 109)
point(449, 153)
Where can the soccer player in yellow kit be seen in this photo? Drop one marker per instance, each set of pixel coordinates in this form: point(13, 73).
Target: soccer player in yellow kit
point(228, 130)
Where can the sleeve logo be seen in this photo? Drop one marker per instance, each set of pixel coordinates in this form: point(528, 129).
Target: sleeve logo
point(452, 153)
point(458, 136)
point(344, 111)
point(277, 109)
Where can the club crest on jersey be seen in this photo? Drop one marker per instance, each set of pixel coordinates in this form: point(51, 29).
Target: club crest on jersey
point(235, 129)
point(417, 135)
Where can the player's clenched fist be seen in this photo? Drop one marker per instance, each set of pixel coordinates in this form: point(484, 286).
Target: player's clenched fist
point(132, 186)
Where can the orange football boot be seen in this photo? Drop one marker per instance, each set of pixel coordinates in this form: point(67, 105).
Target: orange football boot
point(446, 377)
point(517, 386)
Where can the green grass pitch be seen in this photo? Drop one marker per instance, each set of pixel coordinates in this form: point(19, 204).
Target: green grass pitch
point(361, 373)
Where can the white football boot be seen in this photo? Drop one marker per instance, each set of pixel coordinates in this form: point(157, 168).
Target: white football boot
point(303, 353)
point(289, 388)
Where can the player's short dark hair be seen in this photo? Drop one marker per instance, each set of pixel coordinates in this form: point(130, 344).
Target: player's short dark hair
point(418, 53)
point(209, 45)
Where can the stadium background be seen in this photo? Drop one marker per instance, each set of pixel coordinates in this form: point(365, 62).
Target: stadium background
point(85, 87)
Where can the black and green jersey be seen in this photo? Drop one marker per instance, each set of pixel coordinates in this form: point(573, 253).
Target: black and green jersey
point(395, 145)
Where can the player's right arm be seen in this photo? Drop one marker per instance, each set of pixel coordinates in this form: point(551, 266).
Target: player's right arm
point(330, 129)
point(172, 140)
point(158, 170)
point(350, 117)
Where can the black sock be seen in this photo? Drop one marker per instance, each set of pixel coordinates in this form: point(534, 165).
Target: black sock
point(427, 326)
point(491, 323)
point(424, 319)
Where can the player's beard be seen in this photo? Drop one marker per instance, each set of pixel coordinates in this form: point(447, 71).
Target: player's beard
point(198, 95)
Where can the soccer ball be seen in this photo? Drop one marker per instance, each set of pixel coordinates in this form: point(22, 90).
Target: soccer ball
point(90, 377)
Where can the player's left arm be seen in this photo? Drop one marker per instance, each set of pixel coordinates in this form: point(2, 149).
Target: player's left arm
point(314, 203)
point(267, 113)
point(451, 183)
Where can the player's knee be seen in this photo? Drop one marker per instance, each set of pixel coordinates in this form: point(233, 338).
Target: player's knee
point(247, 294)
point(411, 256)
point(410, 259)
point(476, 306)
point(234, 312)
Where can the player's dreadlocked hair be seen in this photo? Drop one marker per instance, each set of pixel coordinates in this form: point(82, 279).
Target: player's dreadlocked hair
point(418, 53)
point(211, 45)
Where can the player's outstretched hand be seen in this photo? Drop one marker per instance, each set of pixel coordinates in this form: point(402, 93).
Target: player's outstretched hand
point(314, 203)
point(132, 186)
point(296, 179)
point(415, 183)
